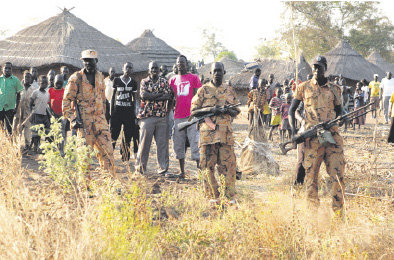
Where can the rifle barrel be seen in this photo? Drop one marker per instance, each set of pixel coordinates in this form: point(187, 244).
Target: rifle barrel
point(351, 113)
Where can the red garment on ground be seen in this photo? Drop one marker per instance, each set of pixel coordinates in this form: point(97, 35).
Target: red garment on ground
point(56, 100)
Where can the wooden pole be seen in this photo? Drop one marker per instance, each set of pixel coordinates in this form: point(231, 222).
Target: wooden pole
point(294, 43)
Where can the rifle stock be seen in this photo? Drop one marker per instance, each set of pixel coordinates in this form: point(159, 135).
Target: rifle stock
point(283, 148)
point(184, 125)
point(197, 119)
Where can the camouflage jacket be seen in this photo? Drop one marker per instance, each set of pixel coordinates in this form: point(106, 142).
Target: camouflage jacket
point(319, 101)
point(209, 96)
point(256, 99)
point(91, 100)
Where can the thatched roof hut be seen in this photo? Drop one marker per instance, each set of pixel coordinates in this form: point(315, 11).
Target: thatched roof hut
point(231, 67)
point(60, 39)
point(282, 69)
point(378, 60)
point(343, 59)
point(154, 48)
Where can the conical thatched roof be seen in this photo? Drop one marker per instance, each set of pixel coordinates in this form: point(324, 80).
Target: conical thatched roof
point(60, 40)
point(378, 60)
point(282, 69)
point(231, 67)
point(343, 59)
point(154, 48)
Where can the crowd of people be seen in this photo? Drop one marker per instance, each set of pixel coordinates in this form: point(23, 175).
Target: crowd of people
point(272, 100)
point(97, 108)
point(297, 107)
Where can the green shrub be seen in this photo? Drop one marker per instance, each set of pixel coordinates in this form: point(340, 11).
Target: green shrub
point(125, 225)
point(68, 171)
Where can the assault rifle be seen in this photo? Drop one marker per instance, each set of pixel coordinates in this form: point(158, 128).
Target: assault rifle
point(78, 119)
point(321, 130)
point(200, 115)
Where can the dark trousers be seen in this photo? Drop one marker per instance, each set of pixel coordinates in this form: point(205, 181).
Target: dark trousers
point(300, 170)
point(390, 138)
point(124, 118)
point(6, 117)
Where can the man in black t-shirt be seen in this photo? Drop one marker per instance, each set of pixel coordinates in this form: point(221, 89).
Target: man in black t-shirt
point(122, 111)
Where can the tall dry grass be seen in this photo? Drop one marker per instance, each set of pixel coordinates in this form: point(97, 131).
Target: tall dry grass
point(41, 220)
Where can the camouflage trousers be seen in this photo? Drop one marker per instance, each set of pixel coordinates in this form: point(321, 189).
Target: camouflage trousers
point(223, 156)
point(314, 154)
point(98, 137)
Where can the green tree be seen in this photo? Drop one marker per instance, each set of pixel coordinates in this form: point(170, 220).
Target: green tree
point(211, 47)
point(228, 54)
point(270, 49)
point(373, 34)
point(319, 26)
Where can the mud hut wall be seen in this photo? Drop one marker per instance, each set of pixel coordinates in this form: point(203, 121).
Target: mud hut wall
point(242, 95)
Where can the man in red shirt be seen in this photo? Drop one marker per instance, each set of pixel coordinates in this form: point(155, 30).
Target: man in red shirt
point(184, 86)
point(55, 106)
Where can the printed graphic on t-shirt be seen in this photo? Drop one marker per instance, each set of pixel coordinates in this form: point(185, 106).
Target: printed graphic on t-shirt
point(183, 88)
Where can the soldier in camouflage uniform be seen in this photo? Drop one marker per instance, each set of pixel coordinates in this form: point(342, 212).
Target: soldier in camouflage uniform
point(322, 102)
point(87, 88)
point(216, 140)
point(257, 98)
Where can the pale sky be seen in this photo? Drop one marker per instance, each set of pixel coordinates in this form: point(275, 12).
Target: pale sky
point(239, 25)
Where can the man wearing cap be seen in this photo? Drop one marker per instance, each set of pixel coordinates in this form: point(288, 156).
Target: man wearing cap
point(322, 102)
point(87, 88)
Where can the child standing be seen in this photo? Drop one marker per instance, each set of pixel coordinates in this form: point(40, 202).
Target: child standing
point(275, 105)
point(23, 112)
point(284, 111)
point(38, 105)
point(266, 107)
point(55, 107)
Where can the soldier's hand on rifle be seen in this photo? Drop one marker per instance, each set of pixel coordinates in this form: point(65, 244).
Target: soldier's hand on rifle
point(341, 121)
point(216, 110)
point(166, 96)
point(233, 111)
point(76, 124)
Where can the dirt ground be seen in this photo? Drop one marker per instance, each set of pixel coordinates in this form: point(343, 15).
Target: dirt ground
point(369, 164)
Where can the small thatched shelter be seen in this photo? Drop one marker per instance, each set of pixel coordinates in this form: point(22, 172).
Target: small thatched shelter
point(231, 67)
point(154, 48)
point(378, 60)
point(343, 59)
point(282, 70)
point(59, 41)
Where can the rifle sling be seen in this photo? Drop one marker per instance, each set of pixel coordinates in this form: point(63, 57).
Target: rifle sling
point(79, 82)
point(335, 94)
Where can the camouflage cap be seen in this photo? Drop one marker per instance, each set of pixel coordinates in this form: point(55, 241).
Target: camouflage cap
point(321, 61)
point(88, 54)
